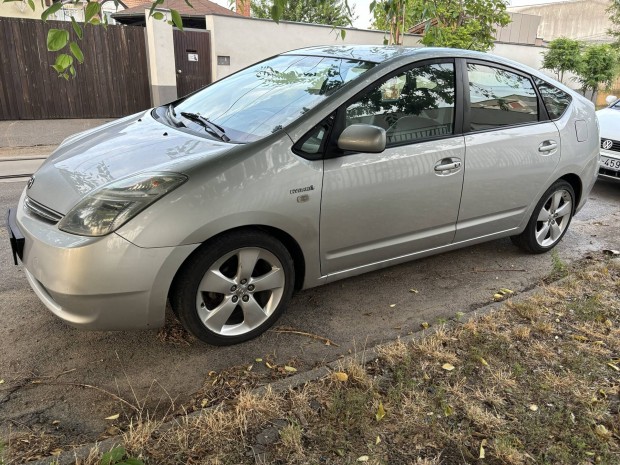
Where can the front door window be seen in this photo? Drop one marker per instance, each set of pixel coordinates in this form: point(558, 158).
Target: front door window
point(415, 105)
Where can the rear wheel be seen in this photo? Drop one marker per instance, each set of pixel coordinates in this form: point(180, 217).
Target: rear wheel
point(234, 288)
point(550, 219)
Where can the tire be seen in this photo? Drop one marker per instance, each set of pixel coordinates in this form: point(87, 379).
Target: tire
point(549, 221)
point(234, 287)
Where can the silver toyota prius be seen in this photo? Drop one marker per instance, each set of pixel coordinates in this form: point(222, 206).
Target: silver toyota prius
point(308, 167)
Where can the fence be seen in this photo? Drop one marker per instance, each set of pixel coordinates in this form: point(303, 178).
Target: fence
point(112, 82)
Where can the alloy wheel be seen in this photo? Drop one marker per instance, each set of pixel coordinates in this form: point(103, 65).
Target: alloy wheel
point(240, 291)
point(553, 218)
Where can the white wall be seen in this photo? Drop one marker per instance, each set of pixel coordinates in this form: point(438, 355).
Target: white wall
point(20, 10)
point(160, 59)
point(248, 40)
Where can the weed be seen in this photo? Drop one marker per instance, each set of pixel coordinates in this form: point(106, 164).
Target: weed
point(291, 436)
point(119, 456)
point(559, 269)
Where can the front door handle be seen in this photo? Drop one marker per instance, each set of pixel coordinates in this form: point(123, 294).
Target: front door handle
point(448, 164)
point(547, 146)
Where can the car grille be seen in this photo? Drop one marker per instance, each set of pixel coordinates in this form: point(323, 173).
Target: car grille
point(615, 145)
point(41, 211)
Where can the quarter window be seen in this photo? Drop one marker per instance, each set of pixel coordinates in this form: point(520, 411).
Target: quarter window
point(415, 105)
point(556, 100)
point(500, 98)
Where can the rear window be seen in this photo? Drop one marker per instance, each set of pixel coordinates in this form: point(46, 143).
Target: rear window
point(556, 100)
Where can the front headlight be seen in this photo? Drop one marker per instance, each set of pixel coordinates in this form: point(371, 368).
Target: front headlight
point(108, 208)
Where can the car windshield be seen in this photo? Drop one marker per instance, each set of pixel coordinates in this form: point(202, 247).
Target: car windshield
point(615, 106)
point(264, 98)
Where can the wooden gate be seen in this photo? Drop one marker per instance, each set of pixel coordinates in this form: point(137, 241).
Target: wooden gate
point(192, 56)
point(112, 82)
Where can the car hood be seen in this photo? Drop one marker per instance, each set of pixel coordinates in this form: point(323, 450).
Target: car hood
point(138, 143)
point(609, 120)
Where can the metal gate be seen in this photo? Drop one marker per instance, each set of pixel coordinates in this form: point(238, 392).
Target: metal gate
point(192, 56)
point(112, 82)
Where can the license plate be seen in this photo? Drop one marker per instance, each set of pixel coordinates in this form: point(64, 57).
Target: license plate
point(610, 163)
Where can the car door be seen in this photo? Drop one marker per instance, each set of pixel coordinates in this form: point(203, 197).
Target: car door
point(381, 206)
point(512, 149)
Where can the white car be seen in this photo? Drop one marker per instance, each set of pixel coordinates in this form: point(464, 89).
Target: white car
point(609, 119)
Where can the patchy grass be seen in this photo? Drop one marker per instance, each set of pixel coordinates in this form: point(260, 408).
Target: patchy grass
point(537, 381)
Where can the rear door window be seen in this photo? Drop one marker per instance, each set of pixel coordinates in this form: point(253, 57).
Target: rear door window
point(500, 98)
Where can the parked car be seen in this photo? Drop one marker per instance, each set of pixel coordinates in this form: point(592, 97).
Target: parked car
point(309, 167)
point(609, 120)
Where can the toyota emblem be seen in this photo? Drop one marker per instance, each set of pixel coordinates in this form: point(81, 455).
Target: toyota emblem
point(30, 182)
point(607, 144)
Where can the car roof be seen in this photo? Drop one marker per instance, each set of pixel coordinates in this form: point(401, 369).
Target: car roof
point(387, 53)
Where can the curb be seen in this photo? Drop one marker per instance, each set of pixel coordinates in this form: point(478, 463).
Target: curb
point(291, 382)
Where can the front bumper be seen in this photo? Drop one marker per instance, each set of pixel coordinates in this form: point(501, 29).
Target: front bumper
point(103, 283)
point(605, 172)
point(16, 238)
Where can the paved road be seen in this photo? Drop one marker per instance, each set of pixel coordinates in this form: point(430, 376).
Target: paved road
point(354, 313)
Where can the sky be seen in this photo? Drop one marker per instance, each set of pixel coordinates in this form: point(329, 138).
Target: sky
point(364, 18)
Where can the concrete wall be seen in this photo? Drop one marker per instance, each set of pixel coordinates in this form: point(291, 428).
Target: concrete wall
point(585, 20)
point(160, 53)
point(248, 40)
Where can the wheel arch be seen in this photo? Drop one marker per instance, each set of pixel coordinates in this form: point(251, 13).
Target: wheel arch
point(299, 261)
point(576, 184)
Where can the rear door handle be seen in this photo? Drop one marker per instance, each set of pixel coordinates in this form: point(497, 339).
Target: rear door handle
point(448, 164)
point(547, 146)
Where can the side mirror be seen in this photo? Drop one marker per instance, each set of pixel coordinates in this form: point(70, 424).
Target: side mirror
point(363, 138)
point(611, 99)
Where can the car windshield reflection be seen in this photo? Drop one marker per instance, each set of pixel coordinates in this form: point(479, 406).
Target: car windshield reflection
point(264, 98)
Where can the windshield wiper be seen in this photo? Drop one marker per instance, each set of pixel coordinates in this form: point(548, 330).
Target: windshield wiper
point(172, 116)
point(208, 125)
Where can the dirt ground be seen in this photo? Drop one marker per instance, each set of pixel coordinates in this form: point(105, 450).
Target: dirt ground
point(45, 365)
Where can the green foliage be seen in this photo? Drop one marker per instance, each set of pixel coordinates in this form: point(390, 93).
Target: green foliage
point(563, 55)
point(614, 17)
point(119, 456)
point(57, 39)
point(92, 9)
point(176, 19)
point(76, 51)
point(333, 13)
point(77, 28)
point(468, 24)
point(51, 10)
point(381, 14)
point(599, 66)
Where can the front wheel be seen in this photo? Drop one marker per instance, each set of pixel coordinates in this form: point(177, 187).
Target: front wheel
point(550, 219)
point(234, 288)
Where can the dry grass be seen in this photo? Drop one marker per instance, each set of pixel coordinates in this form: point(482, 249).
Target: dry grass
point(537, 381)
